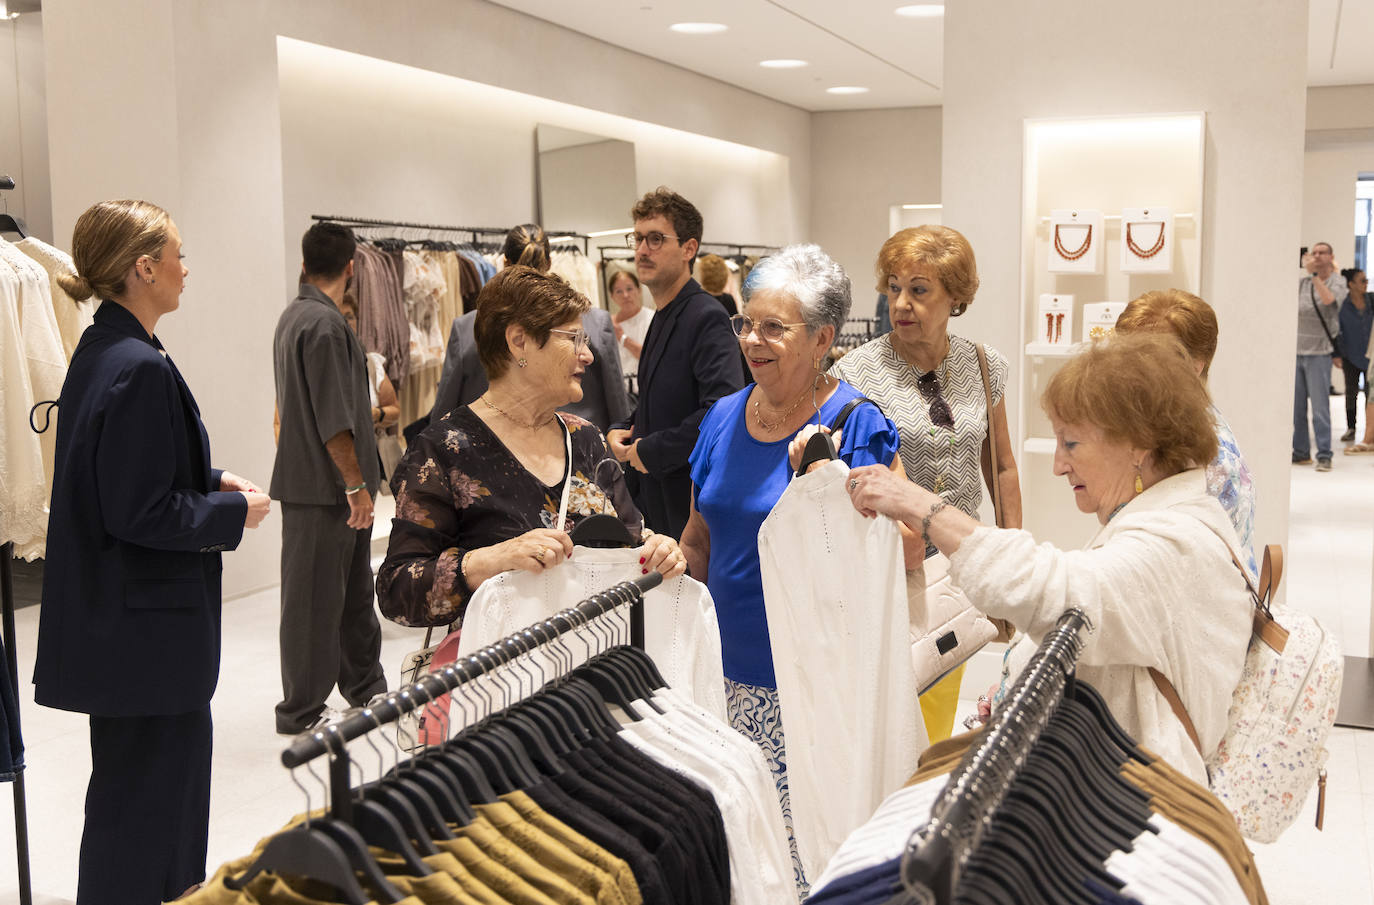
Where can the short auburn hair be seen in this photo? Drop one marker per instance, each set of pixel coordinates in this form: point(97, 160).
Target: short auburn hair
point(1139, 388)
point(939, 248)
point(1174, 311)
point(712, 273)
point(521, 295)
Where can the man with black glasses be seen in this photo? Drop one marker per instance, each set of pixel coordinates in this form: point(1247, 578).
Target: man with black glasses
point(690, 359)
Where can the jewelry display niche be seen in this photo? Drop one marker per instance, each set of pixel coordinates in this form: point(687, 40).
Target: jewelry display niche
point(1144, 173)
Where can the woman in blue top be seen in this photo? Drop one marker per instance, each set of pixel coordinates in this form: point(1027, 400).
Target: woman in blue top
point(749, 445)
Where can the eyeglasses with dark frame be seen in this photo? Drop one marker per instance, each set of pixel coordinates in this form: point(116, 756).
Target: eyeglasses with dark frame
point(770, 328)
point(653, 239)
point(579, 337)
point(940, 413)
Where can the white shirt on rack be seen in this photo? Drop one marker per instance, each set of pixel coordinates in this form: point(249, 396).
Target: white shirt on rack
point(834, 590)
point(72, 317)
point(680, 629)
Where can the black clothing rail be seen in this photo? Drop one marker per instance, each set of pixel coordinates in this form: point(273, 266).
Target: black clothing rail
point(937, 851)
point(474, 231)
point(333, 738)
point(21, 814)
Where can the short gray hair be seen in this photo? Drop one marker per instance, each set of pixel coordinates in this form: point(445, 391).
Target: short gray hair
point(809, 275)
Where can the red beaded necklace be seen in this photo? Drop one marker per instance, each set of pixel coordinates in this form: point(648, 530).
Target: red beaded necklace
point(1072, 255)
point(1145, 252)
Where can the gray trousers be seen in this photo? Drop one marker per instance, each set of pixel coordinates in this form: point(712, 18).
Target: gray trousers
point(329, 629)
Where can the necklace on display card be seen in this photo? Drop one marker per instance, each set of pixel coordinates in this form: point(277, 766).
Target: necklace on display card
point(1075, 241)
point(1147, 240)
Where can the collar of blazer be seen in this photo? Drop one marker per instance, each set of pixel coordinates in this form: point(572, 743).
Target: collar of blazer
point(115, 317)
point(661, 329)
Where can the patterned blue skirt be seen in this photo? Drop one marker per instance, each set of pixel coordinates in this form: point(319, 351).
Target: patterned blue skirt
point(755, 713)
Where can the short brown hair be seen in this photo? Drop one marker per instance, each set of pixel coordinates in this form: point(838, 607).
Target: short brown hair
point(940, 248)
point(527, 244)
point(617, 273)
point(106, 241)
point(539, 302)
point(1138, 388)
point(680, 212)
point(712, 273)
point(1174, 311)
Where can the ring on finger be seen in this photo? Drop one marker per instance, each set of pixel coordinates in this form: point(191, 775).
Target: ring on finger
point(853, 484)
point(539, 554)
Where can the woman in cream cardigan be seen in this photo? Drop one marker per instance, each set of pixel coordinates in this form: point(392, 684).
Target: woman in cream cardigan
point(1133, 434)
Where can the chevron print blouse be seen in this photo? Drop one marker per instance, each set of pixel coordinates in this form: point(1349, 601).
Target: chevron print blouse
point(929, 452)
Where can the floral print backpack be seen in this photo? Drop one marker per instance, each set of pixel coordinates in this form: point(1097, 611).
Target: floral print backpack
point(1274, 749)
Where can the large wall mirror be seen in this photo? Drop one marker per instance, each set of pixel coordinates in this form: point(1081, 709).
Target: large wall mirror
point(586, 181)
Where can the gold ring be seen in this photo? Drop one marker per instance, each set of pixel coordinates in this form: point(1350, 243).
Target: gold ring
point(540, 555)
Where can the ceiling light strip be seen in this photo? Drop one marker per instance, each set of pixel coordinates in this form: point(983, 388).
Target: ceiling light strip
point(860, 49)
point(1336, 34)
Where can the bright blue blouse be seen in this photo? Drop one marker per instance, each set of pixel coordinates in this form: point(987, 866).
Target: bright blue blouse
point(737, 480)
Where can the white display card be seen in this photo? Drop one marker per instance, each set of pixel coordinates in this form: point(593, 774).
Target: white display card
point(1053, 324)
point(1076, 241)
point(1099, 319)
point(1147, 240)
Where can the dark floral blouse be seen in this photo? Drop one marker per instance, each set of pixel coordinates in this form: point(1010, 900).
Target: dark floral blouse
point(459, 488)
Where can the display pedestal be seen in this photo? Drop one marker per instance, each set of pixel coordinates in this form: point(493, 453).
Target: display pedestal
point(1357, 694)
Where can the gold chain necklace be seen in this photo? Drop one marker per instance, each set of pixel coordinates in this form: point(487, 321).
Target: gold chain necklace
point(782, 419)
point(513, 419)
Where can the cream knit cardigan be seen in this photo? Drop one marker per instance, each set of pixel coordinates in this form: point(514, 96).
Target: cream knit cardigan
point(1160, 590)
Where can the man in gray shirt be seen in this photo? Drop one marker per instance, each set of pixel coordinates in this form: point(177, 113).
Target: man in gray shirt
point(1320, 294)
point(325, 476)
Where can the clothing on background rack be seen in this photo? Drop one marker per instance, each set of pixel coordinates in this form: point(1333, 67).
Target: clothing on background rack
point(578, 270)
point(544, 798)
point(1051, 802)
point(33, 366)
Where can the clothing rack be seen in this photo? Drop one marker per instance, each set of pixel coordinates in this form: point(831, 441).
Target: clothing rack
point(21, 817)
point(938, 850)
point(475, 231)
point(333, 738)
point(734, 249)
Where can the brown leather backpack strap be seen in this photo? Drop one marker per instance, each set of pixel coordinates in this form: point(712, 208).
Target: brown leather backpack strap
point(1166, 688)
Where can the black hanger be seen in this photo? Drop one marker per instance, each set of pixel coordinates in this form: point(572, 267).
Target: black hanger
point(12, 224)
point(820, 448)
point(379, 824)
point(602, 530)
point(307, 851)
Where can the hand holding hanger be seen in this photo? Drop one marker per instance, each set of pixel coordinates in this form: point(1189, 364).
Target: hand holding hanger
point(797, 448)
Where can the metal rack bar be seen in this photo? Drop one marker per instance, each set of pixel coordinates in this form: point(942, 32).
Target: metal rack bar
point(21, 814)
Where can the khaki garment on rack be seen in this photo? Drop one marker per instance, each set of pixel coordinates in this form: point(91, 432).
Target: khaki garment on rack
point(266, 889)
point(579, 844)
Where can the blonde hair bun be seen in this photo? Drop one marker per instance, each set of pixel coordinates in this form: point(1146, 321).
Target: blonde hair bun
point(75, 286)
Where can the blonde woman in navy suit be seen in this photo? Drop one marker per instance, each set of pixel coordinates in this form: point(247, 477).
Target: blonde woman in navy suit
point(130, 627)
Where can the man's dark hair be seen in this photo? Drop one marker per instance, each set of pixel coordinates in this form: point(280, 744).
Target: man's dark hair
point(326, 249)
point(680, 212)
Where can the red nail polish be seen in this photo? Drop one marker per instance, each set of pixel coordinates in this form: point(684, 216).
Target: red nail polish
point(641, 560)
point(643, 571)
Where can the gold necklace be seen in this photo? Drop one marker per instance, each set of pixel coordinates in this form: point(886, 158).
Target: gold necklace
point(758, 414)
point(515, 420)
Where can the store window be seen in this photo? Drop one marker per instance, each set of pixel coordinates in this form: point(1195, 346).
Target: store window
point(1364, 218)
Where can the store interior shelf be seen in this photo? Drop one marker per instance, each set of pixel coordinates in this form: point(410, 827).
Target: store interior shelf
point(1045, 350)
point(1043, 445)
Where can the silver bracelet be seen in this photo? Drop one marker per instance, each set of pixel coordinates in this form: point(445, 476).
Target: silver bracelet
point(925, 522)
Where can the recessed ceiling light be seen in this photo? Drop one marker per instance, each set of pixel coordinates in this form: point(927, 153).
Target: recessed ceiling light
point(698, 28)
point(783, 64)
point(846, 89)
point(921, 10)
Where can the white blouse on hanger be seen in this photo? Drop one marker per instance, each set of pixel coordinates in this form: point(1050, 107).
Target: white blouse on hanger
point(73, 317)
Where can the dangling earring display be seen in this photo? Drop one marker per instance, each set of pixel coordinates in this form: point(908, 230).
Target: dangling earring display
point(1139, 484)
point(521, 362)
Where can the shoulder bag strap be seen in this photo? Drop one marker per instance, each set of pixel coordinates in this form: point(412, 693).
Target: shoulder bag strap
point(992, 441)
point(848, 409)
point(1265, 628)
point(1312, 294)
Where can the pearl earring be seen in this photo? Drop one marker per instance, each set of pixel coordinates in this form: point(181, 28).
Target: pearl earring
point(521, 362)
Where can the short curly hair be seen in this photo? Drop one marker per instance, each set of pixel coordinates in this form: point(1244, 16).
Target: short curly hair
point(940, 248)
point(1138, 388)
point(680, 212)
point(1174, 311)
point(712, 273)
point(522, 295)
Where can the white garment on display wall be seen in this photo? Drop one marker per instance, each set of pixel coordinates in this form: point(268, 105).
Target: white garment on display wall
point(834, 589)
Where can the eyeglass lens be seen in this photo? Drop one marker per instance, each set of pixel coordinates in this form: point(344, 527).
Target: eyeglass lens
point(653, 240)
point(770, 329)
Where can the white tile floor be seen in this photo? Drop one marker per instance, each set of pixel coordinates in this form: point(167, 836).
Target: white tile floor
point(1329, 556)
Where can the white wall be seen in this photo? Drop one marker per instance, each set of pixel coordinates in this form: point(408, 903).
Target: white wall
point(193, 121)
point(1065, 58)
point(1340, 146)
point(863, 163)
point(24, 115)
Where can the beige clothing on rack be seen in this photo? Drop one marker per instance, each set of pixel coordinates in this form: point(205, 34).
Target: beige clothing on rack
point(73, 317)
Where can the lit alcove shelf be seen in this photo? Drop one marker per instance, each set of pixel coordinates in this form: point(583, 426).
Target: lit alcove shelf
point(1044, 350)
point(1042, 445)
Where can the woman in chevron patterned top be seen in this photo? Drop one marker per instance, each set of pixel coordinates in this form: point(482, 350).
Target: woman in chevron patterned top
point(930, 384)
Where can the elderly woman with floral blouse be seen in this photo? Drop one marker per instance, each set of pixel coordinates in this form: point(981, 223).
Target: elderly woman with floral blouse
point(479, 491)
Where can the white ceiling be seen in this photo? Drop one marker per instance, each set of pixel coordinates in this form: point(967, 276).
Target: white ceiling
point(864, 43)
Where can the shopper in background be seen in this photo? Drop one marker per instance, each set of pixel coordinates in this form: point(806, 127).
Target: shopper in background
point(1194, 323)
point(325, 476)
point(1359, 282)
point(603, 399)
point(129, 630)
point(1320, 294)
point(750, 444)
point(479, 491)
point(714, 276)
point(631, 319)
point(1133, 429)
point(930, 384)
point(690, 360)
point(1356, 318)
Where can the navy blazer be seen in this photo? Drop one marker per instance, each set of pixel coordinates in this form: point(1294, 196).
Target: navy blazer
point(691, 358)
point(130, 624)
point(604, 400)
